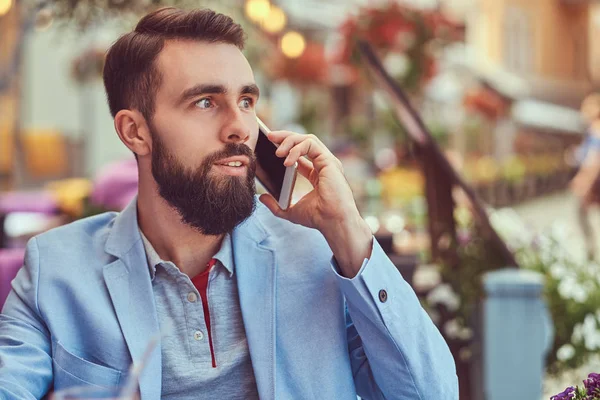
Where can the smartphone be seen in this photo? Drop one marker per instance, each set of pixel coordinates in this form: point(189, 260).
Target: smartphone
point(276, 178)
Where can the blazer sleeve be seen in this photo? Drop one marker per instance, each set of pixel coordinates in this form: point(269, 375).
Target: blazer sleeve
point(395, 349)
point(25, 345)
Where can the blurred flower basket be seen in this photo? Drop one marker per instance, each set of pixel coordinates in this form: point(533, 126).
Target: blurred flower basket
point(88, 66)
point(572, 285)
point(486, 102)
point(310, 68)
point(407, 38)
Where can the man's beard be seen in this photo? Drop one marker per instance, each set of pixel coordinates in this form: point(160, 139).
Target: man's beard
point(210, 202)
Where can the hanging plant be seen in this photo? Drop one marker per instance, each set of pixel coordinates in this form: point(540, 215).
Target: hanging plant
point(88, 66)
point(309, 68)
point(405, 37)
point(85, 13)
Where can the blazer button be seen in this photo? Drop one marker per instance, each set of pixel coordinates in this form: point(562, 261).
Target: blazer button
point(383, 296)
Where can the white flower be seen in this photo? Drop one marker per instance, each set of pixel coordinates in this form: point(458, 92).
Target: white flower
point(396, 64)
point(587, 269)
point(580, 296)
point(558, 270)
point(465, 333)
point(591, 335)
point(453, 329)
point(592, 341)
point(569, 288)
point(443, 294)
point(560, 232)
point(587, 332)
point(565, 352)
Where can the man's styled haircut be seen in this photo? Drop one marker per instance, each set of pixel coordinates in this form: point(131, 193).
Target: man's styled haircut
point(131, 76)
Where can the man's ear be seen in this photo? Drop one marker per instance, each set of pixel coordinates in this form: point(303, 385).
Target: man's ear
point(133, 131)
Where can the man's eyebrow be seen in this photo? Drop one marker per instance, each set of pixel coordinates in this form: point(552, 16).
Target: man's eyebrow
point(201, 89)
point(251, 89)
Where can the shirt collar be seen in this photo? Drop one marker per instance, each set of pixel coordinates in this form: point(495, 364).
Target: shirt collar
point(224, 255)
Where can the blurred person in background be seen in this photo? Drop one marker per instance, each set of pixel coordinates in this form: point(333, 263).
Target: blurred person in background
point(586, 183)
point(251, 301)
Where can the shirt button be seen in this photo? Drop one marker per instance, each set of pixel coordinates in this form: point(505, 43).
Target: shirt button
point(383, 296)
point(192, 297)
point(198, 335)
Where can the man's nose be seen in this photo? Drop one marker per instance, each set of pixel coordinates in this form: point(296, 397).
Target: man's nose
point(235, 131)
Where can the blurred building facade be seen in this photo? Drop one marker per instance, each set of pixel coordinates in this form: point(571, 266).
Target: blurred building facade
point(8, 94)
point(552, 44)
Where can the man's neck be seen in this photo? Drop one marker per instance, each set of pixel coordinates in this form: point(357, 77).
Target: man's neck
point(172, 239)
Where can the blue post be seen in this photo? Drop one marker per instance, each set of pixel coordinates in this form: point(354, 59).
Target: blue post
point(517, 333)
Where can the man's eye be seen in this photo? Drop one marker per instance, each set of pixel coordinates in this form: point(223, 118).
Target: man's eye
point(204, 103)
point(246, 103)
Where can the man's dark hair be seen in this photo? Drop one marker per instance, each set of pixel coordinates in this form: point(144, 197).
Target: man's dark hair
point(131, 76)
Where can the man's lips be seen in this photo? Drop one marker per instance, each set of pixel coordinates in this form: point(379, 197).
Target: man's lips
point(239, 159)
point(240, 167)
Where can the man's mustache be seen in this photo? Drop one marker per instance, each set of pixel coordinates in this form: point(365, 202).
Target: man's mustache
point(232, 150)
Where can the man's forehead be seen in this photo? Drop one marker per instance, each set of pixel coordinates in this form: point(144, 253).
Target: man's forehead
point(185, 63)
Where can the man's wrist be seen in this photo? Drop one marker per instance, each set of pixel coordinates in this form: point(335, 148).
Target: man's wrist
point(351, 241)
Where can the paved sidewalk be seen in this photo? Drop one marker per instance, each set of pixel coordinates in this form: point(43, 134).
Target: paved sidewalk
point(562, 208)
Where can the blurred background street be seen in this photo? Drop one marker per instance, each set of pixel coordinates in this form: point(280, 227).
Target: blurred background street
point(507, 91)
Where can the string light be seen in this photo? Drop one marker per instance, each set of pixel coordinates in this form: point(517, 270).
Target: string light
point(293, 44)
point(275, 21)
point(5, 6)
point(257, 10)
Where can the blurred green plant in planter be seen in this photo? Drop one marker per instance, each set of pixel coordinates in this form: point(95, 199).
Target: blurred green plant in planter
point(572, 285)
point(513, 170)
point(406, 37)
point(462, 281)
point(572, 292)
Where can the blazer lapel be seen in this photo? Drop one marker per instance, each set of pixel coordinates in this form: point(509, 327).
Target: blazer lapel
point(130, 288)
point(128, 282)
point(256, 276)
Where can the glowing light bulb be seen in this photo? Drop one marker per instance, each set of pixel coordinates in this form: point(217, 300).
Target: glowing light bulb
point(293, 44)
point(5, 6)
point(257, 10)
point(275, 21)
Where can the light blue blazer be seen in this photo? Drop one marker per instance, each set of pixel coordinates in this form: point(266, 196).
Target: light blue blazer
point(82, 308)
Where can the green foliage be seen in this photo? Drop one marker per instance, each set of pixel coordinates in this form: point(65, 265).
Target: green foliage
point(572, 287)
